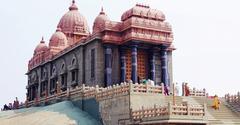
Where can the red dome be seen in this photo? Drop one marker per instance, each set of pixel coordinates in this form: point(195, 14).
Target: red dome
point(99, 21)
point(41, 47)
point(143, 11)
point(73, 22)
point(58, 39)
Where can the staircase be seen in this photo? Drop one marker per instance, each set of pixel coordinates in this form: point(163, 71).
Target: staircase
point(223, 116)
point(234, 106)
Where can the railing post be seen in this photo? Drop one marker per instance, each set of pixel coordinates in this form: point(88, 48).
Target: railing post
point(83, 87)
point(204, 91)
point(170, 108)
point(238, 95)
point(142, 114)
point(97, 89)
point(162, 86)
point(130, 88)
point(147, 88)
point(68, 92)
point(194, 92)
point(228, 97)
point(154, 110)
point(188, 108)
point(205, 109)
point(183, 89)
point(130, 114)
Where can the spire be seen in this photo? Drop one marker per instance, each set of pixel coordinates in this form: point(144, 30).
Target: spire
point(102, 12)
point(42, 41)
point(73, 6)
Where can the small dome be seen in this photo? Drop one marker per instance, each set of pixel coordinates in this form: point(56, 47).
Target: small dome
point(41, 47)
point(143, 11)
point(99, 21)
point(58, 39)
point(73, 22)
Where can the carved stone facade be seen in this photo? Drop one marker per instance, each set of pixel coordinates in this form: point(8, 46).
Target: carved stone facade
point(139, 47)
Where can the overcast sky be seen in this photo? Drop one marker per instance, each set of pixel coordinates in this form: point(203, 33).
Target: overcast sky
point(206, 35)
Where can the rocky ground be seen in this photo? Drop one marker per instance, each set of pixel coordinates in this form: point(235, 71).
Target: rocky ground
point(63, 113)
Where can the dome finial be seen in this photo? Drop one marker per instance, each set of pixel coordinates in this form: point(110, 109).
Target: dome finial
point(102, 12)
point(73, 6)
point(42, 41)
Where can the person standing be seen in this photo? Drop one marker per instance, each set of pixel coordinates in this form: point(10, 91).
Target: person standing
point(216, 103)
point(187, 91)
point(176, 89)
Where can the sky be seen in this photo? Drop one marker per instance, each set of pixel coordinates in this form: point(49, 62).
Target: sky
point(206, 35)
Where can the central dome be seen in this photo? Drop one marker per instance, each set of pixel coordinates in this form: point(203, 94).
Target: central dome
point(73, 22)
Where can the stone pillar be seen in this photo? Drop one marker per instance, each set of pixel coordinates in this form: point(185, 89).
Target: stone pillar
point(123, 64)
point(164, 65)
point(152, 66)
point(30, 93)
point(108, 65)
point(134, 76)
point(33, 92)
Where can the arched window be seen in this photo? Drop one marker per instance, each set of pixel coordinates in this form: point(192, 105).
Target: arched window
point(73, 61)
point(74, 72)
point(63, 66)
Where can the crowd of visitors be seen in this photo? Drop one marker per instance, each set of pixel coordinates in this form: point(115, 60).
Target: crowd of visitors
point(11, 106)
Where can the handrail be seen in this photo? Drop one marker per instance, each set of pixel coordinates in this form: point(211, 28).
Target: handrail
point(233, 98)
point(193, 91)
point(101, 93)
point(161, 112)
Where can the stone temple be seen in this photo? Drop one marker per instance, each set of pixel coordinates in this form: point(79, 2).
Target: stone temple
point(118, 74)
point(136, 48)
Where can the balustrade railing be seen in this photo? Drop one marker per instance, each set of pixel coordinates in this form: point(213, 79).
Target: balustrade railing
point(187, 91)
point(233, 98)
point(164, 112)
point(101, 93)
point(198, 92)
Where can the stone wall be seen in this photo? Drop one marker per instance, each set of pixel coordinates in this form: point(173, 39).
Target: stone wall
point(63, 64)
point(115, 110)
point(99, 63)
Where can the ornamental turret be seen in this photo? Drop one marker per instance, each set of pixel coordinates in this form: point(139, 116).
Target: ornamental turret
point(100, 21)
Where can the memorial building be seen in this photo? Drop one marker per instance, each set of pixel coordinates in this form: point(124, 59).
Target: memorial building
point(136, 48)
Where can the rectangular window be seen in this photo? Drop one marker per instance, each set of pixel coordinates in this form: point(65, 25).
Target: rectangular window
point(73, 75)
point(53, 85)
point(62, 80)
point(92, 63)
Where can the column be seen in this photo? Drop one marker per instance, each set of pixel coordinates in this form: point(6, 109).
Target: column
point(164, 65)
point(31, 97)
point(33, 92)
point(134, 63)
point(123, 64)
point(30, 93)
point(108, 65)
point(152, 66)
